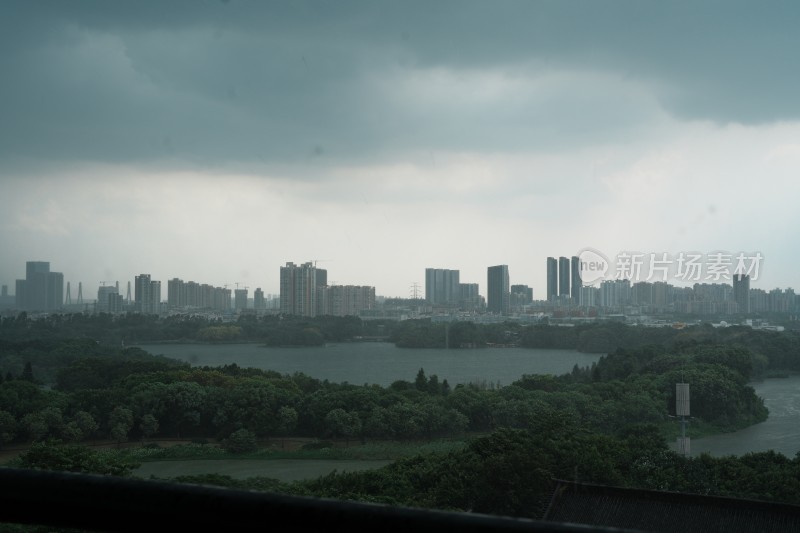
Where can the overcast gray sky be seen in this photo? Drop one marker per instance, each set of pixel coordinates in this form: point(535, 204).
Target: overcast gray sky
point(215, 141)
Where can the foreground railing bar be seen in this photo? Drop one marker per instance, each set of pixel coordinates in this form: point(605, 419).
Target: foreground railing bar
point(106, 503)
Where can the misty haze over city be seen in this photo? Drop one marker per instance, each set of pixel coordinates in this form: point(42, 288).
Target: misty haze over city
point(216, 141)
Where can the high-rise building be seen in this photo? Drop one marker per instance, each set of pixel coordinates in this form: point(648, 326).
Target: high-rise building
point(615, 293)
point(41, 290)
point(441, 286)
point(115, 303)
point(576, 282)
point(552, 278)
point(298, 289)
point(176, 293)
point(741, 292)
point(498, 293)
point(344, 300)
point(563, 276)
point(147, 294)
point(103, 301)
point(322, 277)
point(141, 293)
point(240, 299)
point(469, 296)
point(521, 295)
point(259, 303)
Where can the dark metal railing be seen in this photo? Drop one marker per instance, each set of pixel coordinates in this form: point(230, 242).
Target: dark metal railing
point(105, 503)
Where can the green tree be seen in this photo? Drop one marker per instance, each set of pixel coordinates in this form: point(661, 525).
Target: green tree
point(287, 421)
point(340, 423)
point(35, 426)
point(421, 382)
point(8, 428)
point(27, 372)
point(86, 423)
point(121, 422)
point(148, 426)
point(240, 441)
point(53, 455)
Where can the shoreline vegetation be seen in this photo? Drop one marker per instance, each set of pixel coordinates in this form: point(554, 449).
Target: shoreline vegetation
point(460, 447)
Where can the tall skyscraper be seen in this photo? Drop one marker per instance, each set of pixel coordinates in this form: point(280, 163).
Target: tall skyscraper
point(521, 295)
point(240, 299)
point(141, 293)
point(563, 276)
point(258, 299)
point(103, 301)
point(41, 290)
point(176, 293)
point(469, 295)
point(441, 286)
point(741, 292)
point(147, 294)
point(552, 278)
point(344, 300)
point(577, 283)
point(298, 289)
point(498, 293)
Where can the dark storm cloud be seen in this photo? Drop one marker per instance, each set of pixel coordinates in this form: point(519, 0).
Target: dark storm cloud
point(218, 82)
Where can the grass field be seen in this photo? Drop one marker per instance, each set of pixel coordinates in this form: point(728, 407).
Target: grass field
point(285, 470)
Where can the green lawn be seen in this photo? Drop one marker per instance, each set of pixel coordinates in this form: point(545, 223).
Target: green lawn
point(285, 470)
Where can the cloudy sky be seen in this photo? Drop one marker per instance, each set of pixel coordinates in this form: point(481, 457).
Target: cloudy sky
point(216, 141)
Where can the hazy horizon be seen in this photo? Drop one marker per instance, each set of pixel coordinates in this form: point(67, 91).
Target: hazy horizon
point(217, 141)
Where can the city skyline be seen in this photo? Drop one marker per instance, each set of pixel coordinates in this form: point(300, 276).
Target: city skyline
point(381, 139)
point(571, 265)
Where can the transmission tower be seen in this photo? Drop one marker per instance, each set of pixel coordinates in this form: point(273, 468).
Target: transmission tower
point(415, 289)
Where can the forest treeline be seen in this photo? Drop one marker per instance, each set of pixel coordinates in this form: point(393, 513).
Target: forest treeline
point(133, 328)
point(604, 424)
point(773, 350)
point(101, 391)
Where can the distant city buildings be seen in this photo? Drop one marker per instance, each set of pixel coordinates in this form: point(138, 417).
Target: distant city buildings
point(741, 292)
point(575, 282)
point(552, 278)
point(521, 295)
point(104, 297)
point(345, 300)
point(469, 296)
point(147, 295)
point(41, 290)
point(193, 295)
point(442, 287)
point(299, 289)
point(305, 292)
point(259, 303)
point(498, 293)
point(240, 299)
point(564, 277)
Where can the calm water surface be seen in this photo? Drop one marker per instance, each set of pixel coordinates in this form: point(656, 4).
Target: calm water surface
point(780, 432)
point(382, 362)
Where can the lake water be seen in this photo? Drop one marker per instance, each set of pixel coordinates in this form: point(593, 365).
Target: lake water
point(382, 362)
point(780, 432)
